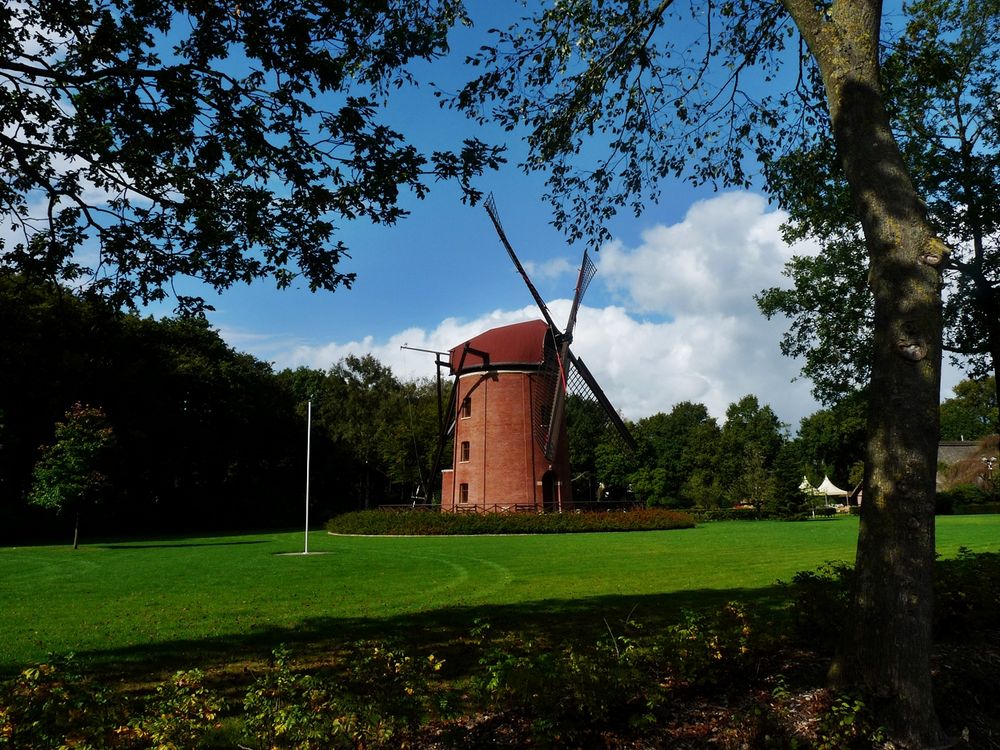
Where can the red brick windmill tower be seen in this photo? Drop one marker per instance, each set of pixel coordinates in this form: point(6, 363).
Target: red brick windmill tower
point(508, 408)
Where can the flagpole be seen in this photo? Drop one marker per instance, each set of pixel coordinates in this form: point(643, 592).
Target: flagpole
point(309, 411)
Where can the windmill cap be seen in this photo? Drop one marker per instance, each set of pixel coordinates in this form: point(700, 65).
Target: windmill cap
point(519, 344)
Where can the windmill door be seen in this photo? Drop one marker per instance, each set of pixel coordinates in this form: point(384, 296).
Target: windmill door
point(549, 491)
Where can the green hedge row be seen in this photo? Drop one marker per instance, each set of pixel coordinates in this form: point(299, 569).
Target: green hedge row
point(751, 514)
point(425, 523)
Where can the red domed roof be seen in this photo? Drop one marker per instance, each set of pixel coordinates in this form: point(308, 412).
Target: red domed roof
point(517, 344)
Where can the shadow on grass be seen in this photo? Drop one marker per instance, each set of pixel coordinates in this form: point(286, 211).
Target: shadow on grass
point(446, 632)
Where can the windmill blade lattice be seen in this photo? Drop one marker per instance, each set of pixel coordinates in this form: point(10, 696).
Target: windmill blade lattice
point(587, 272)
point(581, 384)
point(546, 383)
point(491, 209)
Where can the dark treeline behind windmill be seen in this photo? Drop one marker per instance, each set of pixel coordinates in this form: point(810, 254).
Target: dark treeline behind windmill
point(209, 438)
point(205, 437)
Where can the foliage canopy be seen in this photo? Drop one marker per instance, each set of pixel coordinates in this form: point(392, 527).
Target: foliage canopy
point(940, 83)
point(145, 142)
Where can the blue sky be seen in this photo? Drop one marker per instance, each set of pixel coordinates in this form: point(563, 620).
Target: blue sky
point(669, 317)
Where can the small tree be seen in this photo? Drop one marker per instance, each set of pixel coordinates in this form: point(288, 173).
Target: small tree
point(68, 475)
point(755, 484)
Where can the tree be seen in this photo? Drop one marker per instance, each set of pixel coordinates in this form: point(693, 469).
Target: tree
point(671, 448)
point(756, 483)
point(788, 469)
point(222, 142)
point(659, 95)
point(206, 437)
point(675, 445)
point(941, 89)
point(833, 440)
point(829, 308)
point(971, 413)
point(369, 407)
point(748, 444)
point(410, 445)
point(70, 472)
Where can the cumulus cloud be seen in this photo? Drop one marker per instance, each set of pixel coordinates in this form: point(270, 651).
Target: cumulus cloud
point(684, 326)
point(550, 269)
point(713, 261)
point(408, 364)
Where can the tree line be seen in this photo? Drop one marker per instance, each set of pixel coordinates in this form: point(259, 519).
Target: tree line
point(201, 436)
point(687, 458)
point(186, 433)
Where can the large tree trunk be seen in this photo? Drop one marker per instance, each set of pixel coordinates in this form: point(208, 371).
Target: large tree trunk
point(888, 652)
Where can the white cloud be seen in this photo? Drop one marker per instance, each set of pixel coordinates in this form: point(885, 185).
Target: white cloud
point(550, 269)
point(714, 260)
point(448, 334)
point(705, 342)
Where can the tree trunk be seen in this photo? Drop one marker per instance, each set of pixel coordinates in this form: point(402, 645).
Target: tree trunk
point(887, 653)
point(76, 531)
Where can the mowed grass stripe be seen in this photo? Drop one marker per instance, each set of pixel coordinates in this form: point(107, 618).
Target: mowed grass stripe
point(134, 595)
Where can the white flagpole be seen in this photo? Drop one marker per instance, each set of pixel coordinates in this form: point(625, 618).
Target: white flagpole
point(309, 412)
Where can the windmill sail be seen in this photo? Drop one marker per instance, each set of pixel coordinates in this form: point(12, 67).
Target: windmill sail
point(587, 272)
point(586, 275)
point(491, 209)
point(584, 385)
point(561, 370)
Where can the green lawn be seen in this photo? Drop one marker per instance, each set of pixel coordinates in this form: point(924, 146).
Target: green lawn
point(174, 600)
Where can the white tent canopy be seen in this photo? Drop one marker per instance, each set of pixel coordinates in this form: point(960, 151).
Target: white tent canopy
point(829, 489)
point(807, 488)
point(826, 490)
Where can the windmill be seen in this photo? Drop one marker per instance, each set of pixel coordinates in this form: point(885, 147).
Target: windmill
point(508, 407)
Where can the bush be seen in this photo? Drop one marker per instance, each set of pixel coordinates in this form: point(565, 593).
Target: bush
point(179, 714)
point(961, 494)
point(570, 697)
point(966, 598)
point(51, 706)
point(848, 723)
point(385, 522)
point(820, 600)
point(715, 649)
point(731, 514)
point(966, 594)
point(382, 695)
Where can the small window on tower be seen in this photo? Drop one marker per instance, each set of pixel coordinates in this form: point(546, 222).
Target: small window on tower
point(466, 407)
point(464, 454)
point(463, 493)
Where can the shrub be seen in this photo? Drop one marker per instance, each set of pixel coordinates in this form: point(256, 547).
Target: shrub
point(284, 709)
point(820, 600)
point(848, 723)
point(708, 649)
point(570, 696)
point(383, 522)
point(731, 514)
point(179, 714)
point(966, 594)
point(51, 706)
point(383, 694)
point(961, 494)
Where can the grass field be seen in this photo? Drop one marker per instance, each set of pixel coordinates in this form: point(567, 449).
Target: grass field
point(187, 600)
